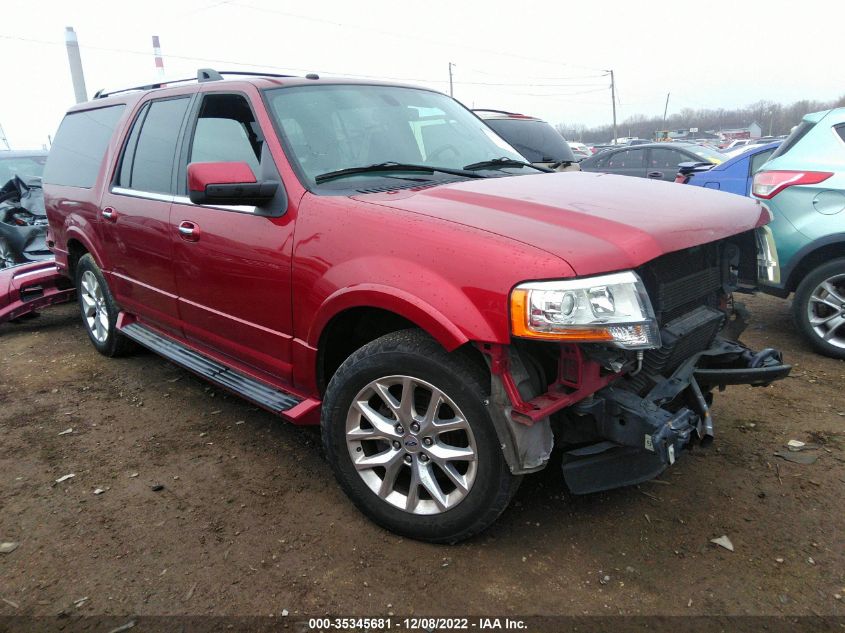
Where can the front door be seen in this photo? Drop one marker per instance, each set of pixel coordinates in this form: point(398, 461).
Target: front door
point(629, 162)
point(135, 215)
point(234, 268)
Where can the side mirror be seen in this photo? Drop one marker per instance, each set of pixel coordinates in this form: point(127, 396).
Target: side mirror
point(227, 183)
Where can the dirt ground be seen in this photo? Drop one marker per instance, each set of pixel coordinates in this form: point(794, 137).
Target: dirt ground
point(250, 521)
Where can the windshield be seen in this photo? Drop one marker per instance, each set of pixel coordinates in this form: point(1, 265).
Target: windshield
point(24, 166)
point(536, 140)
point(333, 127)
point(710, 155)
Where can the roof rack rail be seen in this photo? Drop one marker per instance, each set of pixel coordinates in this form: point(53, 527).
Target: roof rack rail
point(203, 75)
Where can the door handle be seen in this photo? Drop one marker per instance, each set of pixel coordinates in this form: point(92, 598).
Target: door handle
point(655, 174)
point(189, 231)
point(109, 214)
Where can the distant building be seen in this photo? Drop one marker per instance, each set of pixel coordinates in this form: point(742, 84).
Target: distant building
point(688, 135)
point(752, 131)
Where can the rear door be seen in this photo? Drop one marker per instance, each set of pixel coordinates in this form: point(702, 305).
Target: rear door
point(663, 163)
point(234, 270)
point(135, 214)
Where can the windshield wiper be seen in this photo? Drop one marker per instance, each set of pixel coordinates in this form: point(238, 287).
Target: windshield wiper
point(393, 166)
point(504, 161)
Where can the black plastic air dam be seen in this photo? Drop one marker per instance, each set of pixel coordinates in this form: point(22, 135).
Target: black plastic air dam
point(642, 435)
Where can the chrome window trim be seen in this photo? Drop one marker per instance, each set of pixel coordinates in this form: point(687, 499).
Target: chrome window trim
point(148, 195)
point(238, 208)
point(161, 197)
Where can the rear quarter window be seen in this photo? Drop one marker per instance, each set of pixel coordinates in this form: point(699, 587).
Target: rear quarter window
point(792, 140)
point(80, 145)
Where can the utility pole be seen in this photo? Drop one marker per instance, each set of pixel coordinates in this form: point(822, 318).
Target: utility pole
point(451, 93)
point(665, 110)
point(613, 99)
point(75, 61)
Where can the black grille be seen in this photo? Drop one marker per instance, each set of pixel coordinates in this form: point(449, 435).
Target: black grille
point(685, 292)
point(682, 281)
point(678, 297)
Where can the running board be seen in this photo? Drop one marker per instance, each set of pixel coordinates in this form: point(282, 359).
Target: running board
point(251, 389)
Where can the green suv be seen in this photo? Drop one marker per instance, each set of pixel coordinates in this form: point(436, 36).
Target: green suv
point(803, 184)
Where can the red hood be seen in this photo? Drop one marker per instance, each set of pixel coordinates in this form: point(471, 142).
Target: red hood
point(596, 222)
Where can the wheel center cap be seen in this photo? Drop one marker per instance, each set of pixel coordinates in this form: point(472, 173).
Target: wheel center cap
point(411, 443)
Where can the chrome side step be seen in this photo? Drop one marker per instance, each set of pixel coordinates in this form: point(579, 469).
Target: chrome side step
point(261, 394)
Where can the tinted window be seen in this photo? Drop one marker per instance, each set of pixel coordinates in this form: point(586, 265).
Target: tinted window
point(152, 163)
point(840, 130)
point(538, 141)
point(628, 159)
point(665, 158)
point(797, 134)
point(226, 131)
point(79, 146)
point(125, 173)
point(758, 159)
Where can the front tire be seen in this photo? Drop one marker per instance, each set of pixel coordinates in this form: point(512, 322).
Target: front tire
point(819, 308)
point(98, 309)
point(409, 438)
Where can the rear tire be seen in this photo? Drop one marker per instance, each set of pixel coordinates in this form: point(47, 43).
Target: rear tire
point(444, 477)
point(99, 310)
point(818, 308)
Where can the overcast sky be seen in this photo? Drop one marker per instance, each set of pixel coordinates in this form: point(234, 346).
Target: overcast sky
point(542, 58)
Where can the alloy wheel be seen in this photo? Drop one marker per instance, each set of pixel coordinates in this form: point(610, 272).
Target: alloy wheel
point(411, 445)
point(826, 310)
point(94, 307)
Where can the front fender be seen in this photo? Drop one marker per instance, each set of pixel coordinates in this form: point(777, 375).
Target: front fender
point(456, 319)
point(410, 307)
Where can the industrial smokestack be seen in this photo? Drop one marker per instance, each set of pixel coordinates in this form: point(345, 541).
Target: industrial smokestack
point(159, 58)
point(75, 62)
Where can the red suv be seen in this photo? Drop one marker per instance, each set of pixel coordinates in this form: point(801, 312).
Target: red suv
point(375, 259)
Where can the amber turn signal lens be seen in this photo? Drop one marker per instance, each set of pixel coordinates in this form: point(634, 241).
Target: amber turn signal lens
point(519, 325)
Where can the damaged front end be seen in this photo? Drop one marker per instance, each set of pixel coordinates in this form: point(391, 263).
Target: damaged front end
point(623, 415)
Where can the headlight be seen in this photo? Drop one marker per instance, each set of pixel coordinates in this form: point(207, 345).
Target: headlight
point(612, 309)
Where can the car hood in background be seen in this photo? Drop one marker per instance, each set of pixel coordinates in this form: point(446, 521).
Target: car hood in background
point(595, 222)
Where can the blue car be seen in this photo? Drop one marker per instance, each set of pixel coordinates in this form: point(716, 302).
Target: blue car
point(733, 176)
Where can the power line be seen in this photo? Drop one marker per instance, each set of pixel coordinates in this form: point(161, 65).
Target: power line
point(405, 35)
point(221, 61)
point(302, 70)
point(562, 94)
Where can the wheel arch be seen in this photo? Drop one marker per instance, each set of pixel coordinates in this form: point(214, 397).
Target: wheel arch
point(352, 318)
point(813, 255)
point(77, 246)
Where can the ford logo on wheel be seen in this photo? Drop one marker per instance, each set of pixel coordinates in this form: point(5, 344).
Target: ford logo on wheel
point(411, 442)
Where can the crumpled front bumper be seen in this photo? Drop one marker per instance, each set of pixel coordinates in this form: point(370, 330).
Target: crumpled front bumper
point(26, 288)
point(643, 434)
